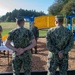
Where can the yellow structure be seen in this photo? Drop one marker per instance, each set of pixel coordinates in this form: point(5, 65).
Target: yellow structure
point(4, 37)
point(44, 21)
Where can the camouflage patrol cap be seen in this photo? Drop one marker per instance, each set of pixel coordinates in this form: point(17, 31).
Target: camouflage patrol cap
point(19, 19)
point(59, 17)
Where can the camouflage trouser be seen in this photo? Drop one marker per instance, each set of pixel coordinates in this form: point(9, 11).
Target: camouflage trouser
point(18, 61)
point(53, 64)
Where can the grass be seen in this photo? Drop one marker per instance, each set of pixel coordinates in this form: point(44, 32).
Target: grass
point(42, 33)
point(8, 26)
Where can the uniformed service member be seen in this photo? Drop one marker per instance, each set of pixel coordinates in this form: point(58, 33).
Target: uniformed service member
point(1, 35)
point(59, 42)
point(23, 40)
point(35, 31)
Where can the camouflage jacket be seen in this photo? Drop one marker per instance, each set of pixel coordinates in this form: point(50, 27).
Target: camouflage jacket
point(59, 39)
point(21, 37)
point(35, 31)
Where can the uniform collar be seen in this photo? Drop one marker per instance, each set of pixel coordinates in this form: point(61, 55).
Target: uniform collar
point(59, 26)
point(20, 26)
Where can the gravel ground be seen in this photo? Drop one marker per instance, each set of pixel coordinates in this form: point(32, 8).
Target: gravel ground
point(39, 60)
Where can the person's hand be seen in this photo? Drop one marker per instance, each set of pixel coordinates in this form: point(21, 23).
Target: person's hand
point(19, 51)
point(60, 54)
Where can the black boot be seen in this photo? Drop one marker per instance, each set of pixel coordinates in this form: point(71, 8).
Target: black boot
point(35, 49)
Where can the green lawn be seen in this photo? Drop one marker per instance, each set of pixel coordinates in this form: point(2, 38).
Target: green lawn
point(8, 26)
point(42, 33)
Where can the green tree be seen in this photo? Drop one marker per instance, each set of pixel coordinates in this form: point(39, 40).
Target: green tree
point(57, 7)
point(10, 16)
point(67, 8)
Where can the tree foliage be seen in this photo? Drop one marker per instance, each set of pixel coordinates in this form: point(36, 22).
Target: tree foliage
point(10, 16)
point(67, 8)
point(61, 7)
point(55, 9)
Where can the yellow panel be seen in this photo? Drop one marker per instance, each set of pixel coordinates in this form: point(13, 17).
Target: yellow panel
point(41, 22)
point(51, 21)
point(44, 21)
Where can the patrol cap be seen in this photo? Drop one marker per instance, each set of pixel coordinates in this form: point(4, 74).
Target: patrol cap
point(59, 16)
point(19, 19)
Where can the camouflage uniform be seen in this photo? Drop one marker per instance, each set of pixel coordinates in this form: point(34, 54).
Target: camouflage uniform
point(1, 35)
point(58, 39)
point(1, 40)
point(36, 34)
point(21, 38)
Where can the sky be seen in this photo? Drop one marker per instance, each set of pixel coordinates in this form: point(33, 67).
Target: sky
point(38, 5)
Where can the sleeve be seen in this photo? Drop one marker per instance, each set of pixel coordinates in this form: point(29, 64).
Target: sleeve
point(49, 44)
point(10, 36)
point(70, 44)
point(31, 35)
